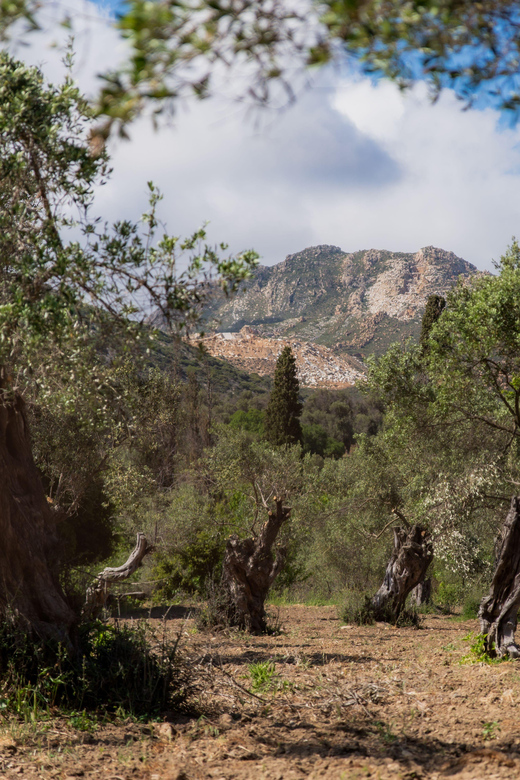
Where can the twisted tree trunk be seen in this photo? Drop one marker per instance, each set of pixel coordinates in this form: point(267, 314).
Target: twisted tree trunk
point(97, 594)
point(30, 592)
point(498, 611)
point(412, 554)
point(249, 570)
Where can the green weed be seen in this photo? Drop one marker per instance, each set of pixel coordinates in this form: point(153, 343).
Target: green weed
point(489, 730)
point(478, 652)
point(263, 675)
point(385, 732)
point(114, 670)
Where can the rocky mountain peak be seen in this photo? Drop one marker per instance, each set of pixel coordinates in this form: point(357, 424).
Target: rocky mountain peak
point(355, 303)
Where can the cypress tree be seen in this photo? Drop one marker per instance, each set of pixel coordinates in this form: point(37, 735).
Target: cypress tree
point(434, 306)
point(282, 416)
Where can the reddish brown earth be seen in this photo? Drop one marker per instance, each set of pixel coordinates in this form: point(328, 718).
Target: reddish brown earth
point(344, 702)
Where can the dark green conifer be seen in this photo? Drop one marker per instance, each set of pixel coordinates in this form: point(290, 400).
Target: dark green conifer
point(282, 416)
point(434, 306)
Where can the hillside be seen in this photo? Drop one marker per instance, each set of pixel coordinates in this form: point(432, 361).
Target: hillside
point(355, 303)
point(184, 359)
point(317, 365)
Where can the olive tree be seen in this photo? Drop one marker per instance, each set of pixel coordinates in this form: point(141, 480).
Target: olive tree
point(66, 282)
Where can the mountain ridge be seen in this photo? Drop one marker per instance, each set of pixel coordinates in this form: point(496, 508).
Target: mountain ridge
point(354, 303)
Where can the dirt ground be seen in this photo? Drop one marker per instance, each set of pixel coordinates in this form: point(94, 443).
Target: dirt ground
point(337, 702)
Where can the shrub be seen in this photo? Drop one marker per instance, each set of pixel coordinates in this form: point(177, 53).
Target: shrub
point(114, 670)
point(359, 609)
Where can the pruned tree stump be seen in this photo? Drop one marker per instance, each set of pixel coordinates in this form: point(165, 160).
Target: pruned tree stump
point(98, 593)
point(412, 554)
point(248, 571)
point(498, 610)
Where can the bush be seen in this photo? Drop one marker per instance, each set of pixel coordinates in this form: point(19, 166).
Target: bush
point(318, 442)
point(358, 609)
point(251, 421)
point(470, 608)
point(114, 670)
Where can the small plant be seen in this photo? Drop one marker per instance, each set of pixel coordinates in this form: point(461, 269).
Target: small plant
point(490, 728)
point(478, 651)
point(263, 676)
point(385, 732)
point(84, 721)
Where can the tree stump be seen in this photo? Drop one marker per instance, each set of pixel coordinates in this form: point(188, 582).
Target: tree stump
point(249, 570)
point(498, 611)
point(97, 593)
point(413, 553)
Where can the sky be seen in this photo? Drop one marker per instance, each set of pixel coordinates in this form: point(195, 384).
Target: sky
point(352, 163)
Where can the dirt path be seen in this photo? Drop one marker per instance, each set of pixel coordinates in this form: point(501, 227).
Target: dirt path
point(338, 702)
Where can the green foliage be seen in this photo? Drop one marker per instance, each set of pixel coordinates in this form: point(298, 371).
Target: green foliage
point(115, 670)
point(263, 675)
point(475, 343)
point(478, 651)
point(252, 421)
point(490, 729)
point(467, 47)
point(282, 415)
point(470, 48)
point(470, 607)
point(357, 609)
point(191, 567)
point(65, 297)
point(316, 441)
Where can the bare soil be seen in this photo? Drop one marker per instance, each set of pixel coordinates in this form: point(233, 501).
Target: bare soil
point(339, 702)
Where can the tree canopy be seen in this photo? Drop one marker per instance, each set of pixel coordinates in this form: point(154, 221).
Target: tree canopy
point(65, 274)
point(179, 49)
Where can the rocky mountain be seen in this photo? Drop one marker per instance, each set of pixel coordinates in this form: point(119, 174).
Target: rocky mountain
point(354, 303)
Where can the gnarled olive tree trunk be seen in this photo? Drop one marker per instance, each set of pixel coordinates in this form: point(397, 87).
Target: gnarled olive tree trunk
point(29, 589)
point(498, 610)
point(248, 571)
point(412, 554)
point(97, 594)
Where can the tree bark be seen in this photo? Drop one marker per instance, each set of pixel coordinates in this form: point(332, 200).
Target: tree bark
point(249, 570)
point(97, 594)
point(422, 593)
point(413, 553)
point(30, 593)
point(498, 610)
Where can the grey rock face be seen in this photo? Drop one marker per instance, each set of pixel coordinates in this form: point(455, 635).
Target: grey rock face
point(357, 303)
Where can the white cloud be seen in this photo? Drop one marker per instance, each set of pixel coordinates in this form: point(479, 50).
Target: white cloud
point(375, 109)
point(353, 163)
